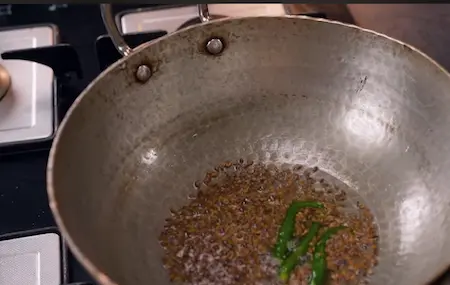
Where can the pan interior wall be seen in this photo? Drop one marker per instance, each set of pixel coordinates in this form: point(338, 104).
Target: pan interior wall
point(366, 110)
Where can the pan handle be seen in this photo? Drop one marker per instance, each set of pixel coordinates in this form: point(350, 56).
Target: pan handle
point(108, 20)
point(203, 13)
point(111, 27)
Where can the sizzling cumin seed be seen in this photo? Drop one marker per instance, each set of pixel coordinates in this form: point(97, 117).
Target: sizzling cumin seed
point(225, 234)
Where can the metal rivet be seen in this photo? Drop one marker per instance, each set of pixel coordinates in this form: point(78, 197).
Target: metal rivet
point(143, 73)
point(214, 46)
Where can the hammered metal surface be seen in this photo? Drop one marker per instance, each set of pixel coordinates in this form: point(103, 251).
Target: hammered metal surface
point(368, 110)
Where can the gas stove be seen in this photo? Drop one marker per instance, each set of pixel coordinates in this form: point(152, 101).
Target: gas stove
point(50, 53)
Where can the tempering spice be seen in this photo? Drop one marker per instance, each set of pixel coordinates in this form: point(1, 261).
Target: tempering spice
point(226, 234)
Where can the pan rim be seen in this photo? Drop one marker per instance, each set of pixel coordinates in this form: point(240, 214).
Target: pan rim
point(100, 276)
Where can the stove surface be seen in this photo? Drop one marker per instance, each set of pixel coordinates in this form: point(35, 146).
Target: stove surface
point(23, 196)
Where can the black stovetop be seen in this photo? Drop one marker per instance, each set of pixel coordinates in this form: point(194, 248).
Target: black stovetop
point(23, 196)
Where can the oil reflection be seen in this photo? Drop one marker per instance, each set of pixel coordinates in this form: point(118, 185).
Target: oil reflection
point(414, 213)
point(364, 122)
point(149, 157)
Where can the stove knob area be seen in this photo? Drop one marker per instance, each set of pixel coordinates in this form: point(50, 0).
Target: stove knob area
point(5, 82)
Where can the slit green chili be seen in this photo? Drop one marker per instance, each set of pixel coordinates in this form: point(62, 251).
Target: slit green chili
point(291, 261)
point(319, 262)
point(293, 243)
point(287, 228)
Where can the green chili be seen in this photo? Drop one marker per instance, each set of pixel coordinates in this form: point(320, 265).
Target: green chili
point(291, 261)
point(287, 228)
point(319, 263)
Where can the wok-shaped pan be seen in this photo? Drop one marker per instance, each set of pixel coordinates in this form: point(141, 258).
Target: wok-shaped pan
point(367, 109)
